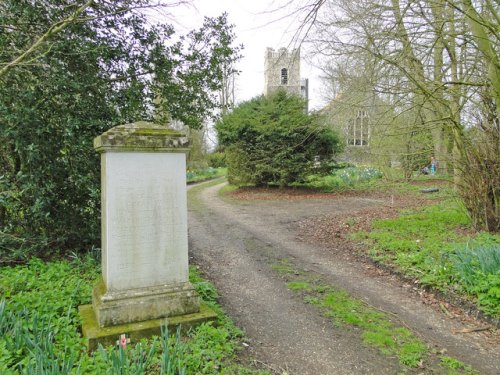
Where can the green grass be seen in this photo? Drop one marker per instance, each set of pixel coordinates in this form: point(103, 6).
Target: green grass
point(200, 175)
point(377, 329)
point(284, 267)
point(429, 244)
point(39, 328)
point(454, 366)
point(299, 285)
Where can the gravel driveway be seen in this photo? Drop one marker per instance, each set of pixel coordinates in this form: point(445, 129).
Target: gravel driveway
point(236, 246)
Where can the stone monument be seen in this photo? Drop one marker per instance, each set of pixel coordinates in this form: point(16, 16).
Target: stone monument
point(144, 236)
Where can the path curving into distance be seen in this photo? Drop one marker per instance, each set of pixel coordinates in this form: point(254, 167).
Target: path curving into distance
point(238, 245)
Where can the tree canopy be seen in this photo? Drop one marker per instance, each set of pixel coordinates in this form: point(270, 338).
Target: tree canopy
point(106, 66)
point(436, 62)
point(271, 140)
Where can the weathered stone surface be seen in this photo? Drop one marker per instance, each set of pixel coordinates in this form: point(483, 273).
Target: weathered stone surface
point(136, 331)
point(141, 136)
point(144, 219)
point(140, 304)
point(274, 63)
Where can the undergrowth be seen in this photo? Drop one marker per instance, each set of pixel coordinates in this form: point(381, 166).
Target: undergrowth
point(436, 246)
point(39, 328)
point(345, 178)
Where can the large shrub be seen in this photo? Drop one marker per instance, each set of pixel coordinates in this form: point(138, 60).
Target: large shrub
point(217, 159)
point(270, 140)
point(107, 68)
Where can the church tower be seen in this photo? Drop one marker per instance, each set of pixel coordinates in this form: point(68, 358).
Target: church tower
point(282, 71)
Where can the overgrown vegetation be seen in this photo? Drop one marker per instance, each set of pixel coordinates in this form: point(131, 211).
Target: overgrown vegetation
point(345, 178)
point(107, 67)
point(217, 159)
point(429, 245)
point(270, 140)
point(199, 175)
point(478, 274)
point(39, 328)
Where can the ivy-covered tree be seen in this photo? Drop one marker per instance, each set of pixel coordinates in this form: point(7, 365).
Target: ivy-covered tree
point(270, 140)
point(106, 67)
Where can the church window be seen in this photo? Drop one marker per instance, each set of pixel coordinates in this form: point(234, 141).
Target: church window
point(284, 76)
point(358, 131)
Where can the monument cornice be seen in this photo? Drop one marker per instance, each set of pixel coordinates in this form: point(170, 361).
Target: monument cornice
point(141, 136)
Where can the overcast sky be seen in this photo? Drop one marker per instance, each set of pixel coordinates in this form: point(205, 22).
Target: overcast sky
point(257, 26)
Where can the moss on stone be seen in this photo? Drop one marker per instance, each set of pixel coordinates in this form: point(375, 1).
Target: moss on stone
point(136, 331)
point(141, 136)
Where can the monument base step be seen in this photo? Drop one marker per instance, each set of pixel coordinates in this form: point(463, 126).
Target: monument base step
point(136, 331)
point(141, 304)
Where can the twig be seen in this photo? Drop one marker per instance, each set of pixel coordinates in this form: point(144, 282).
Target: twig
point(470, 330)
point(445, 310)
point(279, 371)
point(54, 29)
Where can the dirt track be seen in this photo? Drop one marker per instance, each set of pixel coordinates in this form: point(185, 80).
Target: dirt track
point(236, 246)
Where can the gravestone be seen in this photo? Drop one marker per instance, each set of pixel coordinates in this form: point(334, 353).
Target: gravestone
point(144, 236)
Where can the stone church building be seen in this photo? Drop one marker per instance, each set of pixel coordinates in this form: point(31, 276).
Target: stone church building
point(365, 121)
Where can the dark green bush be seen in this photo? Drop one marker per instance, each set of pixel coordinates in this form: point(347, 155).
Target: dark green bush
point(270, 140)
point(217, 159)
point(93, 75)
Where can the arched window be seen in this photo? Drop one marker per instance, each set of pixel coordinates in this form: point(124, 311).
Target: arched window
point(284, 76)
point(358, 130)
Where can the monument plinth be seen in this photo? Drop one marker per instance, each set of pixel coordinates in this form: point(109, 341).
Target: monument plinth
point(144, 227)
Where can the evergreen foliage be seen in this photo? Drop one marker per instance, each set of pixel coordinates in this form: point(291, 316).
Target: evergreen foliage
point(270, 140)
point(106, 68)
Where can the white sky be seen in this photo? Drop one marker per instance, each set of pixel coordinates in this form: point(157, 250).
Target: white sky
point(257, 26)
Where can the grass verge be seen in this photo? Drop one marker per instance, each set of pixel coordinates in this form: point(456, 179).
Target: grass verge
point(39, 329)
point(378, 329)
point(436, 246)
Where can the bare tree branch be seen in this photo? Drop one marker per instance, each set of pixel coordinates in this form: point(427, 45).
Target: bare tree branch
point(53, 30)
